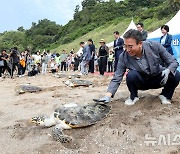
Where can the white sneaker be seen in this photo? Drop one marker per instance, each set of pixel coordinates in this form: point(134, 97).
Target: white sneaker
point(164, 100)
point(130, 101)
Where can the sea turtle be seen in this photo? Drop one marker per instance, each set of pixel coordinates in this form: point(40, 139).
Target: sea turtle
point(77, 83)
point(27, 88)
point(73, 76)
point(61, 75)
point(72, 116)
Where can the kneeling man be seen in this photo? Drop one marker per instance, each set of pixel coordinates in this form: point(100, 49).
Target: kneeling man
point(150, 67)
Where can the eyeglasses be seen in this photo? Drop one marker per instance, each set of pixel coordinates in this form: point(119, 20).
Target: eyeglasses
point(127, 46)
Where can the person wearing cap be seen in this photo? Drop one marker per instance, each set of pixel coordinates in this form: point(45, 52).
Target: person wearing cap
point(118, 48)
point(103, 54)
point(145, 61)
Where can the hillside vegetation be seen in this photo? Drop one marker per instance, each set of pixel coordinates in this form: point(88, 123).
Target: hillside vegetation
point(106, 32)
point(96, 20)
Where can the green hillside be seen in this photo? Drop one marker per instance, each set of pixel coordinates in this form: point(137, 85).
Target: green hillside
point(106, 32)
point(97, 19)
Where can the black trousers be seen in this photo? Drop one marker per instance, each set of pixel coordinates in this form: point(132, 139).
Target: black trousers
point(4, 68)
point(91, 66)
point(136, 81)
point(117, 53)
point(18, 67)
point(63, 65)
point(110, 66)
point(1, 68)
point(102, 65)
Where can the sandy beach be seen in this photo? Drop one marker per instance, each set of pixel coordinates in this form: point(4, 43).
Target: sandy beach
point(146, 127)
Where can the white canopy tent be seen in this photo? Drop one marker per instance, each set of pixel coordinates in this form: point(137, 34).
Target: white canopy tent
point(174, 30)
point(174, 26)
point(131, 26)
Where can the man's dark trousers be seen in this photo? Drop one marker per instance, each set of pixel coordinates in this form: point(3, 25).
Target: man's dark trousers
point(137, 81)
point(117, 53)
point(91, 65)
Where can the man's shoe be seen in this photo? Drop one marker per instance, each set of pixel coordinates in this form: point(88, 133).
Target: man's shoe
point(130, 101)
point(164, 100)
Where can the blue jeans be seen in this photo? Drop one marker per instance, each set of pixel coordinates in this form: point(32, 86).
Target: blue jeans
point(137, 81)
point(84, 67)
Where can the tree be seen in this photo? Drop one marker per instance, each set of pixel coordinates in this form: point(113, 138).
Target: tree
point(21, 29)
point(77, 9)
point(88, 3)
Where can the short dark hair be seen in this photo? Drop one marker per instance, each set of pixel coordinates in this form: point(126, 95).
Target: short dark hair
point(15, 48)
point(90, 40)
point(27, 50)
point(81, 43)
point(3, 50)
point(141, 24)
point(166, 27)
point(116, 32)
point(135, 34)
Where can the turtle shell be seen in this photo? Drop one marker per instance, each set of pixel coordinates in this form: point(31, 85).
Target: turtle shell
point(27, 88)
point(77, 83)
point(82, 116)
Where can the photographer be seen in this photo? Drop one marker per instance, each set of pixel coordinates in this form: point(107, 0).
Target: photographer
point(4, 57)
point(15, 57)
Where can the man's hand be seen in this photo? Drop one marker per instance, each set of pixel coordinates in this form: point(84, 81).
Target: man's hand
point(165, 75)
point(105, 99)
point(117, 47)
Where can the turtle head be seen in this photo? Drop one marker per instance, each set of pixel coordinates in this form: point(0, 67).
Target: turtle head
point(39, 120)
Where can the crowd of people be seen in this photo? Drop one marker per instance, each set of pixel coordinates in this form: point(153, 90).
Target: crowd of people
point(90, 60)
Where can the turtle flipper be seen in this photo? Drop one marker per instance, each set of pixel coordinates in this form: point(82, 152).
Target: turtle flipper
point(59, 136)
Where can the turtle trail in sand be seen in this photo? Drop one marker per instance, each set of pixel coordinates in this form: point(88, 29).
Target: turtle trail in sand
point(27, 88)
point(72, 116)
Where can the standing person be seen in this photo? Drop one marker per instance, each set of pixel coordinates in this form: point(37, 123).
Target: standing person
point(96, 62)
point(110, 61)
point(166, 39)
point(22, 63)
point(103, 54)
point(143, 59)
point(44, 62)
point(76, 62)
point(63, 59)
point(86, 57)
point(49, 57)
point(2, 59)
point(28, 60)
point(57, 59)
point(140, 27)
point(118, 48)
point(37, 60)
point(92, 50)
point(4, 56)
point(14, 55)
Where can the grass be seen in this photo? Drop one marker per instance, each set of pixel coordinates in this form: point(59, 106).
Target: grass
point(106, 32)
